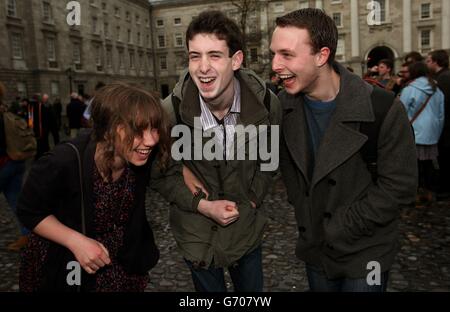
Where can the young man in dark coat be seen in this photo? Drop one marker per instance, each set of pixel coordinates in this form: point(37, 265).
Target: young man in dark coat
point(348, 225)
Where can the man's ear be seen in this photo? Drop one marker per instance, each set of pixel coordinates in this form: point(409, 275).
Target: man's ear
point(322, 56)
point(237, 60)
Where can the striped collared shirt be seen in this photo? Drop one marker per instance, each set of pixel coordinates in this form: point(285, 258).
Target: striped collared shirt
point(210, 124)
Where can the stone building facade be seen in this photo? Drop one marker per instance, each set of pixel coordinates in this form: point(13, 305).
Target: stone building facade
point(144, 41)
point(41, 52)
point(366, 35)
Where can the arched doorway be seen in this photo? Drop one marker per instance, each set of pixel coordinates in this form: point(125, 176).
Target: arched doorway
point(379, 53)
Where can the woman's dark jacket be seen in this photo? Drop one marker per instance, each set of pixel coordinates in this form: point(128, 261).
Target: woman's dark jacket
point(53, 188)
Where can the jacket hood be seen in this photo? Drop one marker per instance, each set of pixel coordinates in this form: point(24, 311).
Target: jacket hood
point(422, 84)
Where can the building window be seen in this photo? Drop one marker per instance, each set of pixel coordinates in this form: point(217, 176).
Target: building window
point(253, 55)
point(118, 33)
point(278, 7)
point(383, 10)
point(425, 40)
point(139, 38)
point(178, 40)
point(54, 88)
point(106, 30)
point(127, 16)
point(340, 50)
point(337, 18)
point(76, 54)
point(22, 89)
point(148, 41)
point(17, 46)
point(303, 5)
point(121, 59)
point(98, 55)
point(162, 62)
point(425, 10)
point(92, 2)
point(117, 12)
point(138, 19)
point(51, 49)
point(159, 23)
point(149, 63)
point(104, 6)
point(147, 24)
point(47, 12)
point(129, 40)
point(109, 57)
point(161, 41)
point(131, 59)
point(177, 21)
point(12, 8)
point(94, 25)
point(336, 1)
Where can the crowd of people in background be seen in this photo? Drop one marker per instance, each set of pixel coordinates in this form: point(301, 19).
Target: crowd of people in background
point(423, 85)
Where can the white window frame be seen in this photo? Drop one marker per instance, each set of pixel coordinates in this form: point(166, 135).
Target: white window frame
point(422, 48)
point(175, 41)
point(49, 18)
point(132, 59)
point(76, 57)
point(17, 46)
point(175, 23)
point(98, 55)
point(54, 88)
point(51, 48)
point(163, 60)
point(159, 20)
point(430, 11)
point(341, 25)
point(159, 42)
point(303, 4)
point(278, 7)
point(109, 58)
point(340, 57)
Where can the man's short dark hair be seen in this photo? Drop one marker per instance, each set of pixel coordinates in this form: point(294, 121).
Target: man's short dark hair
point(215, 22)
point(388, 62)
point(440, 57)
point(321, 28)
point(413, 56)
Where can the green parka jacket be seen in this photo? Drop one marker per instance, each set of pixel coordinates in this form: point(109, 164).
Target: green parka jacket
point(200, 239)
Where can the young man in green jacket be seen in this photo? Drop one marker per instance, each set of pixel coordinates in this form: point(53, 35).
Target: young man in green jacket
point(211, 104)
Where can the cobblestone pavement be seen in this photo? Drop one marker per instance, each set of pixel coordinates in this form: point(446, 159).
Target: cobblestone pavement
point(423, 263)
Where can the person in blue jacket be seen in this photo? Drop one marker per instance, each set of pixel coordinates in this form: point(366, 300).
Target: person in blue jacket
point(427, 123)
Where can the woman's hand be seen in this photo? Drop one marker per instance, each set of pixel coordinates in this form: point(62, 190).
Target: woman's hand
point(91, 254)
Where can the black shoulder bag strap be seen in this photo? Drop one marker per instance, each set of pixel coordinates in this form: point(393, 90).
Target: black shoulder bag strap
point(381, 103)
point(80, 168)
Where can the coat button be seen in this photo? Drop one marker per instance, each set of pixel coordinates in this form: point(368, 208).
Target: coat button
point(327, 215)
point(214, 228)
point(332, 182)
point(301, 229)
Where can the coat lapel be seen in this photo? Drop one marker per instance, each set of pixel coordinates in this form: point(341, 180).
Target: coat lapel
point(296, 133)
point(342, 138)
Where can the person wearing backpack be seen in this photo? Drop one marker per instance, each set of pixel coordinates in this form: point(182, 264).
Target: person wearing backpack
point(11, 176)
point(347, 216)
